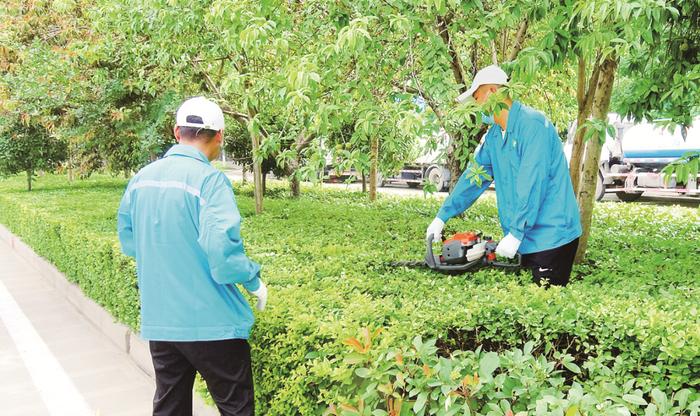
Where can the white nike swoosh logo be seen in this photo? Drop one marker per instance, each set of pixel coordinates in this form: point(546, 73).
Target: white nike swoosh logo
point(544, 270)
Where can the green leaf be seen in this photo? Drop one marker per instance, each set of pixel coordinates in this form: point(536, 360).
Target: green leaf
point(634, 399)
point(682, 397)
point(571, 366)
point(419, 406)
point(362, 372)
point(658, 396)
point(488, 363)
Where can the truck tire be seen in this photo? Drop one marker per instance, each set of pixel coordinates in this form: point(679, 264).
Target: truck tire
point(599, 187)
point(628, 196)
point(435, 177)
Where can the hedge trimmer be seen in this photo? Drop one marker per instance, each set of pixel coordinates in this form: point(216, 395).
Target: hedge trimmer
point(460, 253)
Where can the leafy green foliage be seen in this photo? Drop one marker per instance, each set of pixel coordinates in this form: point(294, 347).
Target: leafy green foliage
point(416, 380)
point(662, 73)
point(685, 168)
point(597, 129)
point(627, 324)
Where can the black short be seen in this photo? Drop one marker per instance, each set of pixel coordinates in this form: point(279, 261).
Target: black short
point(552, 266)
point(224, 366)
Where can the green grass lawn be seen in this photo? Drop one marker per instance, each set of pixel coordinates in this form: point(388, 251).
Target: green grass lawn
point(630, 314)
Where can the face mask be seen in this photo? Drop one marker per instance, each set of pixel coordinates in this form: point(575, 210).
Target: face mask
point(487, 119)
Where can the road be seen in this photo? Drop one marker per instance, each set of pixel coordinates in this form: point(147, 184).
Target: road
point(649, 197)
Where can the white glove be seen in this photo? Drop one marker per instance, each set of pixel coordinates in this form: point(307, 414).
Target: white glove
point(508, 246)
point(435, 229)
point(261, 294)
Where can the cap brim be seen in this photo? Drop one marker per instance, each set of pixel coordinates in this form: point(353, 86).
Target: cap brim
point(466, 95)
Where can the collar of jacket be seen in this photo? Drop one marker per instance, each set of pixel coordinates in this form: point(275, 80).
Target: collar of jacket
point(513, 115)
point(187, 151)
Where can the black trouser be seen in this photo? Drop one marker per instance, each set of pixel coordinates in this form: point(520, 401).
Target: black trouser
point(552, 266)
point(224, 365)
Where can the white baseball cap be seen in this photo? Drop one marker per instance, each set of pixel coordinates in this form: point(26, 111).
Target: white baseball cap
point(200, 113)
point(492, 74)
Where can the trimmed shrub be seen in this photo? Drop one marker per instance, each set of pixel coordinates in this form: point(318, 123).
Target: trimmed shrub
point(628, 324)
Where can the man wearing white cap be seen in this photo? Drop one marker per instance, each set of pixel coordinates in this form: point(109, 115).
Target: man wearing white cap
point(178, 218)
point(536, 204)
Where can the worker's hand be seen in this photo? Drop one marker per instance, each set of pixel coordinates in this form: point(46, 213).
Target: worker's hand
point(435, 229)
point(261, 294)
point(508, 246)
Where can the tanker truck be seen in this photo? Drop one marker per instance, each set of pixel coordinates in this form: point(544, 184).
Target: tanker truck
point(631, 163)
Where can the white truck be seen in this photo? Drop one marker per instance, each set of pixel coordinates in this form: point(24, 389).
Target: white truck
point(429, 167)
point(631, 163)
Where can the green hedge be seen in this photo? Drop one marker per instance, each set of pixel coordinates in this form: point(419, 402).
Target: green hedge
point(629, 321)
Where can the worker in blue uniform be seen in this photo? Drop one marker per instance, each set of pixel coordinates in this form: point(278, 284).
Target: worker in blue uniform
point(178, 218)
point(537, 208)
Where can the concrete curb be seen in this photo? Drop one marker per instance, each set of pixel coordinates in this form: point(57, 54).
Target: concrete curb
point(119, 334)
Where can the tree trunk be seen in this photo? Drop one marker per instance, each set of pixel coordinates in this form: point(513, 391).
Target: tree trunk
point(584, 98)
point(243, 180)
point(578, 145)
point(257, 175)
point(589, 174)
point(577, 149)
point(302, 141)
point(374, 161)
point(364, 183)
point(454, 152)
point(453, 163)
point(294, 186)
point(29, 180)
point(70, 162)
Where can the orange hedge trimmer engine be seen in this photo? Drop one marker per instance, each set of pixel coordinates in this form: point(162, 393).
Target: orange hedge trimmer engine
point(469, 246)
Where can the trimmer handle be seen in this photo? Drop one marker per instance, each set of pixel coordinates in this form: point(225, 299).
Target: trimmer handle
point(508, 265)
point(490, 258)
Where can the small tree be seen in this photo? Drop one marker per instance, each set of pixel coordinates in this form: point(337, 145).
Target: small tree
point(29, 147)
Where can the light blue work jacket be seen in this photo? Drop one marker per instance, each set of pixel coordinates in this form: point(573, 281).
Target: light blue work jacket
point(536, 201)
point(179, 219)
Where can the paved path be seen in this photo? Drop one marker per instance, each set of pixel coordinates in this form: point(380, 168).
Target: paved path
point(53, 361)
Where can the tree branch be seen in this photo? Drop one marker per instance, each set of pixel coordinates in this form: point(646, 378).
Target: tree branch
point(494, 53)
point(240, 117)
point(303, 141)
point(592, 85)
point(457, 70)
point(519, 40)
point(581, 89)
point(475, 59)
point(419, 90)
point(211, 86)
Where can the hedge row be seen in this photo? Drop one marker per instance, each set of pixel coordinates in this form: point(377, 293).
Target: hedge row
point(628, 325)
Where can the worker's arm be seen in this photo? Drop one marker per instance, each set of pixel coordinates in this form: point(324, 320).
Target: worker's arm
point(220, 235)
point(535, 159)
point(124, 226)
point(466, 191)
